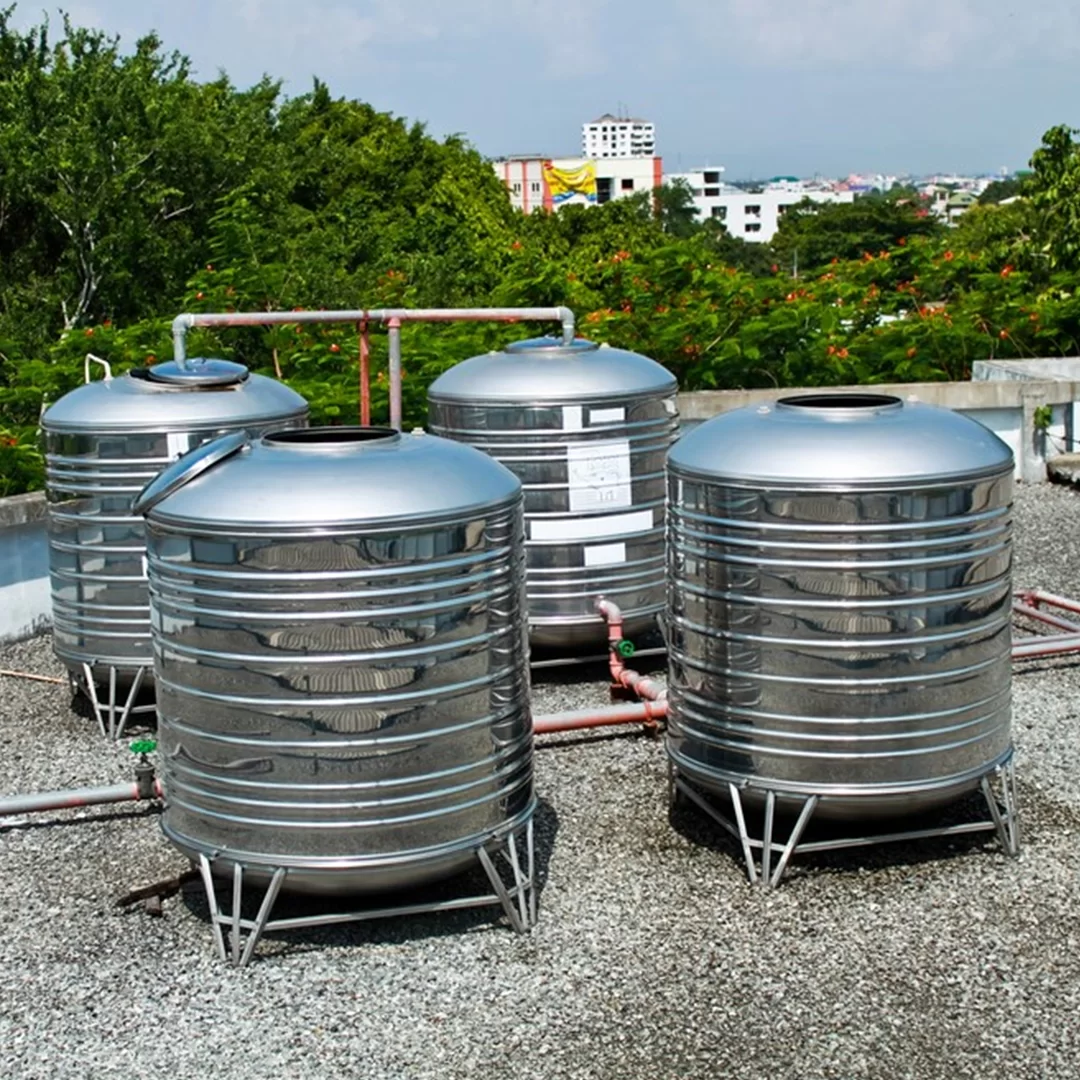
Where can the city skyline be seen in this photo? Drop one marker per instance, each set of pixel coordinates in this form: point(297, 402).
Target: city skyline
point(762, 87)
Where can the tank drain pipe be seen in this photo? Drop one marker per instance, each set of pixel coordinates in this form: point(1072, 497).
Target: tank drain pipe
point(392, 317)
point(145, 786)
point(648, 712)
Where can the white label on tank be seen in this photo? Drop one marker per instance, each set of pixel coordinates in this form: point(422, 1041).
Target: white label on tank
point(177, 445)
point(590, 528)
point(571, 418)
point(605, 554)
point(670, 407)
point(599, 476)
point(606, 416)
point(145, 566)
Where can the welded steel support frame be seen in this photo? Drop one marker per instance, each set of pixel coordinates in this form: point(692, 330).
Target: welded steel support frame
point(111, 710)
point(1033, 604)
point(362, 318)
point(767, 856)
point(237, 937)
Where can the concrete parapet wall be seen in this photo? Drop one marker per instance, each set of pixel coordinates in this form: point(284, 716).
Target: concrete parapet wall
point(24, 567)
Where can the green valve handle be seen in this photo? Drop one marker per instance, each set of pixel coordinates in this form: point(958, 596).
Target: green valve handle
point(625, 649)
point(143, 746)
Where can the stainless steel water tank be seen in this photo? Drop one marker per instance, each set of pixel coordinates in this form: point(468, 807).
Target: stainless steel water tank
point(103, 442)
point(340, 655)
point(586, 428)
point(839, 602)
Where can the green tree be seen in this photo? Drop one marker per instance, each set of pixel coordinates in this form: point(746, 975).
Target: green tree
point(813, 234)
point(673, 206)
point(1000, 190)
point(1054, 190)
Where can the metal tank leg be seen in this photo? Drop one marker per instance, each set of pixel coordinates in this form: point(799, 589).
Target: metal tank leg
point(998, 788)
point(236, 937)
point(111, 713)
point(757, 853)
point(1005, 811)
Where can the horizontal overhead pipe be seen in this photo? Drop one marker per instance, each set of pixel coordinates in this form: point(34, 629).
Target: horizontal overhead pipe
point(189, 320)
point(393, 317)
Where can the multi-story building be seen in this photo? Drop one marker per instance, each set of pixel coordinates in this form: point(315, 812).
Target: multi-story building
point(618, 137)
point(751, 215)
point(538, 183)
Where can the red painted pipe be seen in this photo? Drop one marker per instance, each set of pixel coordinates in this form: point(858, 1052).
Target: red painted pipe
point(1039, 615)
point(1047, 645)
point(365, 374)
point(1037, 596)
point(642, 712)
point(648, 712)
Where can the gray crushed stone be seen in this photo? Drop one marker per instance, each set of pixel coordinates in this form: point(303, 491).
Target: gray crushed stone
point(652, 958)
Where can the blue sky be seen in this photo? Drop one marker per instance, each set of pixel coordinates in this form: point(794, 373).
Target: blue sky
point(759, 86)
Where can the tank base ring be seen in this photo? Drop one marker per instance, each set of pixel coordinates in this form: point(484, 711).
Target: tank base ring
point(767, 856)
point(508, 861)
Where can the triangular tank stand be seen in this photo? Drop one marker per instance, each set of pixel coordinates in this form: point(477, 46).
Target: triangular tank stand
point(111, 713)
point(510, 872)
point(767, 856)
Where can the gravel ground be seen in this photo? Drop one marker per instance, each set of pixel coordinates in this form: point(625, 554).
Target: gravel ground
point(652, 958)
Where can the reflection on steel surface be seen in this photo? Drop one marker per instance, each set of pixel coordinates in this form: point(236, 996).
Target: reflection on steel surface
point(103, 442)
point(839, 603)
point(586, 428)
point(342, 669)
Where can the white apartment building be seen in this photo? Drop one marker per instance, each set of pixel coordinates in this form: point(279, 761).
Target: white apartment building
point(618, 137)
point(539, 183)
point(753, 216)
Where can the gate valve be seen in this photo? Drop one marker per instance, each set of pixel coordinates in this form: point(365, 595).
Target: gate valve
point(144, 770)
point(624, 648)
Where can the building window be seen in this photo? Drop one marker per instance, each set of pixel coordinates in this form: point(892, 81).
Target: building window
point(627, 184)
point(783, 208)
point(712, 178)
point(754, 226)
point(711, 192)
point(754, 210)
point(516, 189)
point(535, 187)
point(720, 212)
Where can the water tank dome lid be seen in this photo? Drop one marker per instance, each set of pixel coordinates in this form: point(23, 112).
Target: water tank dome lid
point(327, 478)
point(547, 369)
point(834, 439)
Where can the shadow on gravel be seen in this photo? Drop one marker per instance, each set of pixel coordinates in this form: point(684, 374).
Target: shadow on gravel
point(694, 825)
point(391, 930)
point(49, 820)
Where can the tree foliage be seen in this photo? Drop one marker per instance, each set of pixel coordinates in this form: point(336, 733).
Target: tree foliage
point(129, 192)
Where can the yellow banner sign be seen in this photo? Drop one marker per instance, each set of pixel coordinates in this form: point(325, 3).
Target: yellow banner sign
point(573, 184)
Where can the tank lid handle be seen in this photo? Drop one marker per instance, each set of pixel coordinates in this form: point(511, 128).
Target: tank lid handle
point(192, 464)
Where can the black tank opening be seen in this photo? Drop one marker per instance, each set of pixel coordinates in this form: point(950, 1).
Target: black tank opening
point(328, 436)
point(840, 401)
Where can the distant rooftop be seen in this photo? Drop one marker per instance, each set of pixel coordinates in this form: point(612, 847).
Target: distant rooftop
point(607, 118)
